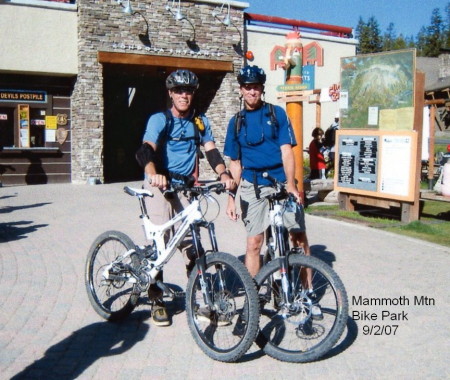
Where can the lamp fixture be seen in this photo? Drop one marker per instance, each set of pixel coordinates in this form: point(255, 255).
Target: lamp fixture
point(126, 8)
point(145, 36)
point(226, 20)
point(178, 15)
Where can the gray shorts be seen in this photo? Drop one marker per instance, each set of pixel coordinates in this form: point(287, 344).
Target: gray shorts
point(255, 212)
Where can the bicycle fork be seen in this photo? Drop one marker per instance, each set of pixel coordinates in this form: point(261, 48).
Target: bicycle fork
point(206, 286)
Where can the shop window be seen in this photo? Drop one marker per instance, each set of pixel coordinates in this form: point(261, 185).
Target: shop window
point(6, 126)
point(22, 127)
point(37, 127)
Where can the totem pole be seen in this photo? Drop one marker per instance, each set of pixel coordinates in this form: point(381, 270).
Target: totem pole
point(293, 61)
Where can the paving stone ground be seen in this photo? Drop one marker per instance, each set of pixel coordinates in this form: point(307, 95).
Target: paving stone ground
point(48, 330)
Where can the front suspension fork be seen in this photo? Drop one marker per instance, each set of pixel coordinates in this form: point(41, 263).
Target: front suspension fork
point(206, 286)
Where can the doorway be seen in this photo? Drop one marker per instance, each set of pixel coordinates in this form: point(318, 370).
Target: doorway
point(130, 98)
point(131, 94)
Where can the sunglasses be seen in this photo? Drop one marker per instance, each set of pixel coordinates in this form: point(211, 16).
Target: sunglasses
point(181, 90)
point(252, 86)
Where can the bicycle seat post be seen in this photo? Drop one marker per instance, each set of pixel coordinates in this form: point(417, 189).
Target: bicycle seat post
point(142, 206)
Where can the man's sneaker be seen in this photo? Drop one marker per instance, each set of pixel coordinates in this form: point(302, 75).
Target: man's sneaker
point(159, 313)
point(316, 312)
point(204, 314)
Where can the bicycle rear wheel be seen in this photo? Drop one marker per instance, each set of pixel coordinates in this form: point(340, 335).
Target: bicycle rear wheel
point(290, 332)
point(227, 331)
point(109, 292)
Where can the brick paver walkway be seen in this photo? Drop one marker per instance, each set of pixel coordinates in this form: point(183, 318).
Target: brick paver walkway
point(49, 330)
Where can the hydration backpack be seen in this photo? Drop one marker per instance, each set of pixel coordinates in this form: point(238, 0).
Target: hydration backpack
point(239, 116)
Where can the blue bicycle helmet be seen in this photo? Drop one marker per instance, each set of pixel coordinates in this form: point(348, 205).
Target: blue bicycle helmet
point(251, 74)
point(182, 78)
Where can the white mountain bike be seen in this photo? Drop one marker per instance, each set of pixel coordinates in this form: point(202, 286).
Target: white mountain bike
point(292, 287)
point(118, 271)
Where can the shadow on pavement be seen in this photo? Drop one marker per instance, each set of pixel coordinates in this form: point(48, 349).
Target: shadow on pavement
point(9, 209)
point(320, 251)
point(17, 230)
point(346, 342)
point(70, 357)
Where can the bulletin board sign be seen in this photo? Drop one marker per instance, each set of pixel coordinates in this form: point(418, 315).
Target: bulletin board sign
point(376, 163)
point(377, 91)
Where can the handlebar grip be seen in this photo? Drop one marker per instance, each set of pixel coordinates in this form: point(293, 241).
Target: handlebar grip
point(269, 177)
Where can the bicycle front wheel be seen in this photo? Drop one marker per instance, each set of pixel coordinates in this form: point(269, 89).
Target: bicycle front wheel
point(307, 325)
point(110, 292)
point(227, 330)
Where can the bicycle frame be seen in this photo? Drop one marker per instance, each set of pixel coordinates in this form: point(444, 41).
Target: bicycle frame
point(190, 217)
point(280, 246)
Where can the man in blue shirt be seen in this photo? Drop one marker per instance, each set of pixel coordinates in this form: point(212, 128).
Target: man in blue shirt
point(169, 151)
point(262, 143)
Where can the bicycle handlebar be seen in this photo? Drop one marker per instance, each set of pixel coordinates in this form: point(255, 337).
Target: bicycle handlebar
point(281, 192)
point(179, 187)
point(217, 188)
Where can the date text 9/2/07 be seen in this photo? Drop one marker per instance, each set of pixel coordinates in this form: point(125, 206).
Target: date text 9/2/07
point(379, 329)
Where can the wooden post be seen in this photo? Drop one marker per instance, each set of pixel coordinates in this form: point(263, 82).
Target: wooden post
point(294, 109)
point(433, 104)
point(431, 149)
point(410, 211)
point(318, 114)
point(295, 113)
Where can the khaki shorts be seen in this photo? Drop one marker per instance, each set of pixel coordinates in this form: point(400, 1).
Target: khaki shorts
point(255, 212)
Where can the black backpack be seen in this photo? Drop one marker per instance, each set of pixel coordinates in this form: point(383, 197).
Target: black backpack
point(330, 136)
point(239, 116)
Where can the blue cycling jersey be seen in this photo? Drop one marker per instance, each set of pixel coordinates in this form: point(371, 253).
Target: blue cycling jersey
point(258, 143)
point(177, 146)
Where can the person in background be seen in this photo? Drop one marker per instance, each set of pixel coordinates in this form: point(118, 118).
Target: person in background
point(330, 139)
point(317, 161)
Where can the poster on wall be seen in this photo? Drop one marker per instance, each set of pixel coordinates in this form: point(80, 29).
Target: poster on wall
point(378, 91)
point(376, 163)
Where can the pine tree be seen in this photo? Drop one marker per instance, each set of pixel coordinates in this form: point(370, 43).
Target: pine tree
point(434, 37)
point(447, 27)
point(360, 35)
point(369, 37)
point(421, 42)
point(376, 43)
point(389, 38)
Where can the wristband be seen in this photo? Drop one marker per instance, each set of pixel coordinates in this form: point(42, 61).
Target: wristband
point(227, 172)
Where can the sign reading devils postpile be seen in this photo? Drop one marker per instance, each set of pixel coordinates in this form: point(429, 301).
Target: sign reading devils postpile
point(23, 96)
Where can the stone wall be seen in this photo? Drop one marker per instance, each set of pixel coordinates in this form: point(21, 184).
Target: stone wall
point(103, 26)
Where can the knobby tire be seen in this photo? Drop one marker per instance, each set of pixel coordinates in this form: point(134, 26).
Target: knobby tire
point(236, 304)
point(292, 335)
point(115, 299)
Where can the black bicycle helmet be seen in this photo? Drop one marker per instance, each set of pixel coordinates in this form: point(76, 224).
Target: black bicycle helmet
point(251, 74)
point(182, 78)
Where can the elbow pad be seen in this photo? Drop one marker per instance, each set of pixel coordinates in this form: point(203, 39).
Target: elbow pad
point(145, 154)
point(214, 158)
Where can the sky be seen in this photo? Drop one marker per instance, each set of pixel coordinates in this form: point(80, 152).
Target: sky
point(408, 16)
